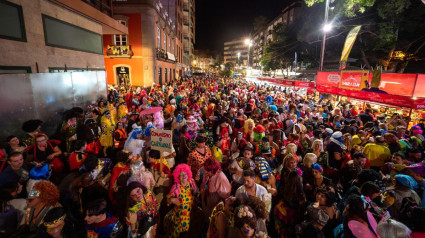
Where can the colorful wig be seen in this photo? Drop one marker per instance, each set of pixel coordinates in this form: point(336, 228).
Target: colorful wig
point(246, 126)
point(182, 168)
point(212, 165)
point(49, 193)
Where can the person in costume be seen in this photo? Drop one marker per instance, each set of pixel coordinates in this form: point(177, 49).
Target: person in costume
point(161, 173)
point(101, 224)
point(31, 127)
point(141, 175)
point(182, 195)
point(107, 127)
point(142, 211)
point(259, 133)
point(249, 130)
point(41, 199)
point(120, 136)
point(46, 151)
point(158, 120)
point(57, 224)
point(69, 130)
point(199, 155)
point(122, 110)
point(77, 158)
point(89, 132)
point(192, 125)
point(120, 168)
point(215, 185)
point(13, 145)
point(266, 178)
point(222, 218)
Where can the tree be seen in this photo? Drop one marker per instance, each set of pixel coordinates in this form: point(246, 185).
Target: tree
point(392, 30)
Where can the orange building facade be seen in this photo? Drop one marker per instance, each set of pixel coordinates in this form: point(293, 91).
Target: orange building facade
point(147, 54)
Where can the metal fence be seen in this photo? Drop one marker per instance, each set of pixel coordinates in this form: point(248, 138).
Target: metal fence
point(45, 96)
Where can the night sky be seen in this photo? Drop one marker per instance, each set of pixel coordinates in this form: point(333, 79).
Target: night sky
point(218, 21)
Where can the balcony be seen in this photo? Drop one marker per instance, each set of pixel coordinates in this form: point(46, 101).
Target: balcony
point(101, 5)
point(186, 7)
point(163, 55)
point(118, 51)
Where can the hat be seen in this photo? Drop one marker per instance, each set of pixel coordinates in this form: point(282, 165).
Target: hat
point(329, 130)
point(191, 119)
point(201, 139)
point(259, 129)
point(266, 151)
point(263, 167)
point(337, 134)
point(31, 125)
point(89, 121)
point(406, 181)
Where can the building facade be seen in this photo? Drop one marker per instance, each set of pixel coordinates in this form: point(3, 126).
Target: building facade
point(236, 51)
point(287, 16)
point(54, 35)
point(147, 54)
point(188, 32)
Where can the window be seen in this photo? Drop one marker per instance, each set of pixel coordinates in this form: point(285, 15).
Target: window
point(62, 34)
point(158, 38)
point(120, 40)
point(165, 75)
point(12, 25)
point(170, 75)
point(165, 41)
point(169, 44)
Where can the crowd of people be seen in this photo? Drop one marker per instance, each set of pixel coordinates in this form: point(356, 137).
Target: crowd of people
point(247, 160)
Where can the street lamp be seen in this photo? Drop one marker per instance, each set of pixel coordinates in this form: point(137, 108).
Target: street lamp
point(326, 28)
point(239, 55)
point(249, 43)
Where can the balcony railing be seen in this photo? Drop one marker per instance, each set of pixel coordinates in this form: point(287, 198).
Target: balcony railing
point(162, 54)
point(119, 51)
point(101, 5)
point(186, 7)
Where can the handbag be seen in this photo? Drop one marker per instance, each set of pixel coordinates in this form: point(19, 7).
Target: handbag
point(147, 221)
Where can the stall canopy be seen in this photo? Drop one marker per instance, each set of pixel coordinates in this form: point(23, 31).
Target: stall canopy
point(289, 83)
point(403, 90)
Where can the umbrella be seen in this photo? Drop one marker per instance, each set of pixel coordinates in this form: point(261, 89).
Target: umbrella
point(151, 110)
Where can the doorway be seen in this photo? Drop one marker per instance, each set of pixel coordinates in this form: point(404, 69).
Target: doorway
point(123, 75)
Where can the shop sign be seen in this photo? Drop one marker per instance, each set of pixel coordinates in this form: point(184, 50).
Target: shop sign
point(161, 140)
point(353, 79)
point(334, 78)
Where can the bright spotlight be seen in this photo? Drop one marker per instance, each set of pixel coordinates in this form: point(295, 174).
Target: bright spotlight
point(327, 27)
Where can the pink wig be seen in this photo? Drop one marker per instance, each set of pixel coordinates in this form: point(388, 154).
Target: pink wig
point(416, 130)
point(182, 168)
point(212, 165)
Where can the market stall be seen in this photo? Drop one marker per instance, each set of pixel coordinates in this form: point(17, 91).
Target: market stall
point(390, 93)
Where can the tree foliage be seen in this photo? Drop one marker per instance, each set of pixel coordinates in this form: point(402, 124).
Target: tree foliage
point(388, 26)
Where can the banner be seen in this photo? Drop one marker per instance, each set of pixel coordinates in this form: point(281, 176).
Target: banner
point(349, 42)
point(354, 80)
point(161, 140)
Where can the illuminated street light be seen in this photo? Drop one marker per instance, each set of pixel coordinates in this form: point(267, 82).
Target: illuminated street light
point(249, 43)
point(327, 27)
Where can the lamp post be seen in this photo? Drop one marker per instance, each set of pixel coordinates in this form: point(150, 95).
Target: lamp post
point(239, 55)
point(326, 27)
point(249, 43)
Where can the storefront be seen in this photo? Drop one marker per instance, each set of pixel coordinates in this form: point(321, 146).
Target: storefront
point(393, 93)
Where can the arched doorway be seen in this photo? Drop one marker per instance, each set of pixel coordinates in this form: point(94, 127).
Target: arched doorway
point(122, 74)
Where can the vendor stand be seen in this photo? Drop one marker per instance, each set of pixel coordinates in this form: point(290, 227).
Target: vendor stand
point(401, 93)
